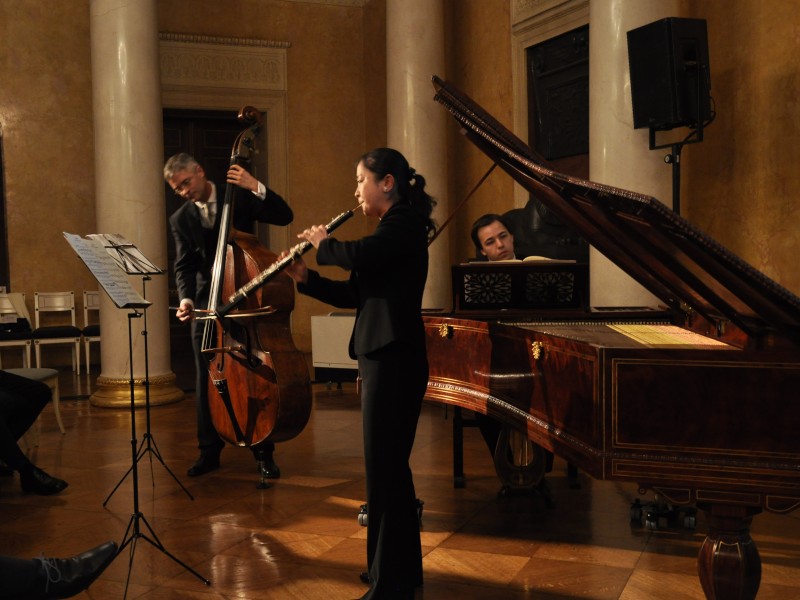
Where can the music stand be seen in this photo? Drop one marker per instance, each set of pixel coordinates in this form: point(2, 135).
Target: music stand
point(131, 260)
point(109, 273)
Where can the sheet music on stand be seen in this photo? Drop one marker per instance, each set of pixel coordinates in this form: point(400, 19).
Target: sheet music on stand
point(129, 258)
point(110, 257)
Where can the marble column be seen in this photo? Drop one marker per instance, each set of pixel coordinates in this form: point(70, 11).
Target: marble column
point(416, 124)
point(129, 190)
point(618, 154)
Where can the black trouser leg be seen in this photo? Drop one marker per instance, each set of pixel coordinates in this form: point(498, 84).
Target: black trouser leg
point(18, 578)
point(208, 439)
point(393, 385)
point(21, 402)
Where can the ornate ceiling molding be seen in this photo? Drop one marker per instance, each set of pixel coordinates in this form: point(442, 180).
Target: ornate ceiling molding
point(333, 2)
point(199, 60)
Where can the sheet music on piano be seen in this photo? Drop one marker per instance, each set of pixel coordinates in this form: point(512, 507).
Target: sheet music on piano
point(108, 268)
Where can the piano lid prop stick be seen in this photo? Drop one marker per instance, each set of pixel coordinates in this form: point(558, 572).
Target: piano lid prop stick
point(460, 204)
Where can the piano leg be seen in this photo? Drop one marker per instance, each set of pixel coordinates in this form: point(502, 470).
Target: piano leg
point(458, 448)
point(729, 565)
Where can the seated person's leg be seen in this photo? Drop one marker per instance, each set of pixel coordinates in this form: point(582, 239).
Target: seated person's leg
point(21, 402)
point(18, 411)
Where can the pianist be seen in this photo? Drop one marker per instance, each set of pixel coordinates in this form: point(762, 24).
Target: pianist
point(492, 238)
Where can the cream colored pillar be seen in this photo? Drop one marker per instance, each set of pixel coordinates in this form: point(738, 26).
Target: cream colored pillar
point(618, 154)
point(128, 149)
point(416, 124)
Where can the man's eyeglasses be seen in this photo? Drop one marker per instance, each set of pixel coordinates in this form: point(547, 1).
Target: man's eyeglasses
point(183, 185)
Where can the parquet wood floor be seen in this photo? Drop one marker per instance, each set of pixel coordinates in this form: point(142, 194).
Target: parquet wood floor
point(300, 539)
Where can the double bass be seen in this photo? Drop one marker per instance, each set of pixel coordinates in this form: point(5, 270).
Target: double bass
point(259, 388)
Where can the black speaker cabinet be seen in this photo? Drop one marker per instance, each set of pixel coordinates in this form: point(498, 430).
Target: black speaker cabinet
point(670, 73)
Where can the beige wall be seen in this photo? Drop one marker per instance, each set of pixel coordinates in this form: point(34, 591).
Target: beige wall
point(479, 63)
point(46, 124)
point(741, 184)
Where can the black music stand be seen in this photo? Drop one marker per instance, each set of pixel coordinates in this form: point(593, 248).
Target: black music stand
point(109, 273)
point(133, 262)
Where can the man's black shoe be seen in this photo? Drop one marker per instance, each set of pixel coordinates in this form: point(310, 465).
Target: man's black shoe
point(205, 464)
point(65, 577)
point(269, 469)
point(38, 482)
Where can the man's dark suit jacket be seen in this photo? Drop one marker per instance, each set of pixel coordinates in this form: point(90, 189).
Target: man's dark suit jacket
point(194, 259)
point(388, 273)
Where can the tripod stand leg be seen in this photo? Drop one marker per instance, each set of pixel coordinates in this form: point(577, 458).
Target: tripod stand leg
point(154, 452)
point(139, 453)
point(136, 534)
point(116, 487)
point(133, 532)
point(157, 544)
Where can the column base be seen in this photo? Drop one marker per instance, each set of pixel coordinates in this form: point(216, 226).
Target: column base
point(116, 393)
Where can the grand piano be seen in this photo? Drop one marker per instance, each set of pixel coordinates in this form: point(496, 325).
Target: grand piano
point(694, 399)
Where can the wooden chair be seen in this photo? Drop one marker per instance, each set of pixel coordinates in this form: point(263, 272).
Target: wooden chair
point(56, 302)
point(15, 326)
point(91, 326)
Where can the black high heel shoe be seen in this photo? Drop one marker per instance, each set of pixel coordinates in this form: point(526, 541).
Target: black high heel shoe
point(38, 482)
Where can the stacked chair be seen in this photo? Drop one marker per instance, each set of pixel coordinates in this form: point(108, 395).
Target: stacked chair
point(91, 326)
point(45, 305)
point(15, 326)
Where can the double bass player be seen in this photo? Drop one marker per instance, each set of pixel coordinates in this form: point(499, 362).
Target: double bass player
point(195, 229)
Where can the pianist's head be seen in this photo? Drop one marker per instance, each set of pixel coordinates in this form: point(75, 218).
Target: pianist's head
point(492, 238)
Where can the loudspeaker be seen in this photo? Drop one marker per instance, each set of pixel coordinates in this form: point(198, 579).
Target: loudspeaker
point(670, 73)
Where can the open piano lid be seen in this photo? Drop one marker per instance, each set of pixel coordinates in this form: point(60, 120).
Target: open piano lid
point(666, 254)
